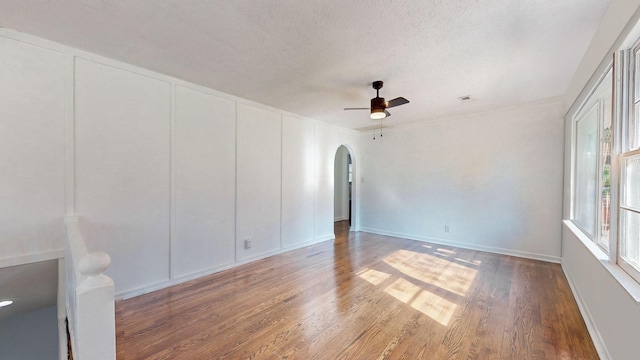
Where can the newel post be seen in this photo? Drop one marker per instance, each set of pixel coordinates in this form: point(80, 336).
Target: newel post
point(96, 309)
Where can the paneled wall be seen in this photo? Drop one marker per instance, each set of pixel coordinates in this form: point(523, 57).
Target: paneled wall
point(167, 177)
point(32, 152)
point(259, 181)
point(205, 166)
point(122, 136)
point(298, 180)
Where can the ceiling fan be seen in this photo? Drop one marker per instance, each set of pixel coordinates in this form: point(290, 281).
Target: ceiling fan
point(379, 106)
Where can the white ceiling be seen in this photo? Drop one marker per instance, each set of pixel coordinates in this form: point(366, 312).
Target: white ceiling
point(315, 57)
point(34, 284)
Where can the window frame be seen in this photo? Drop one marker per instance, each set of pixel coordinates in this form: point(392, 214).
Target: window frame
point(587, 106)
point(625, 89)
point(630, 269)
point(631, 101)
point(626, 121)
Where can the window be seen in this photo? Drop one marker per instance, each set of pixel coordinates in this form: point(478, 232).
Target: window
point(629, 257)
point(631, 127)
point(592, 159)
point(606, 163)
point(586, 148)
point(604, 166)
point(629, 213)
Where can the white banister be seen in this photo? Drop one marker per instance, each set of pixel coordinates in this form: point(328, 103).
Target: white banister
point(90, 293)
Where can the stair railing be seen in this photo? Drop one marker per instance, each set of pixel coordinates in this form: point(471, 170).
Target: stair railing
point(90, 298)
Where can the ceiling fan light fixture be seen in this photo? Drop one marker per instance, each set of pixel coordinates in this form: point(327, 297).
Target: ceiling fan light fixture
point(377, 114)
point(6, 302)
point(378, 104)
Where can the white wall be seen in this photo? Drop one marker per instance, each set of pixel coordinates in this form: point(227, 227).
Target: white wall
point(328, 139)
point(205, 182)
point(298, 181)
point(167, 177)
point(494, 178)
point(259, 181)
point(122, 133)
point(341, 185)
point(30, 336)
point(32, 152)
point(611, 314)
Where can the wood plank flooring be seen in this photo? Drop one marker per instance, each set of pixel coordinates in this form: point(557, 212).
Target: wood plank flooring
point(363, 297)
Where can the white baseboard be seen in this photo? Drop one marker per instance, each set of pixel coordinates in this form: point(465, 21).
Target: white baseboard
point(306, 243)
point(598, 342)
point(128, 294)
point(325, 237)
point(464, 245)
point(188, 277)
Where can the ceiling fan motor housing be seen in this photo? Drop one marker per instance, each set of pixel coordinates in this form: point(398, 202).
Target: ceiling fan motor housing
point(378, 103)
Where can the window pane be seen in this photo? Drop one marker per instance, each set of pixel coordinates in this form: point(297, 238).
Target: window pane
point(630, 237)
point(605, 176)
point(633, 129)
point(636, 87)
point(631, 182)
point(586, 170)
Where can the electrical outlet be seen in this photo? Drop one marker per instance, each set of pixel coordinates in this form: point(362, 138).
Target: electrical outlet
point(247, 243)
point(446, 228)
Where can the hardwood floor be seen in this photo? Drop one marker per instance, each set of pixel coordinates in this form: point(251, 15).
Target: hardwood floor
point(363, 297)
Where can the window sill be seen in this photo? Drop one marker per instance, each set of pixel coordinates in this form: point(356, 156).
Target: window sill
point(627, 282)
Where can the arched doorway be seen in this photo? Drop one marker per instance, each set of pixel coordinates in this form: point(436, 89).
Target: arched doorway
point(344, 189)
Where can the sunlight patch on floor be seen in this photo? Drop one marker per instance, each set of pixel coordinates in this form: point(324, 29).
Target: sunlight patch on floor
point(449, 252)
point(419, 270)
point(433, 270)
point(428, 303)
point(435, 307)
point(402, 290)
point(374, 277)
point(473, 262)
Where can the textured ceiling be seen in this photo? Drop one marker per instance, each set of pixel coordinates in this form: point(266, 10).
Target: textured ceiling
point(315, 57)
point(35, 284)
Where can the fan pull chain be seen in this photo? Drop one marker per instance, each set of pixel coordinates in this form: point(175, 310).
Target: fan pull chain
point(374, 130)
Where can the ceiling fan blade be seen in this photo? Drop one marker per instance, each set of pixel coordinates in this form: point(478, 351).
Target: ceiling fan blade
point(388, 113)
point(397, 102)
point(357, 108)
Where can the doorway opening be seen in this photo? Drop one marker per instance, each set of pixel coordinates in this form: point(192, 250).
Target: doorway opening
point(344, 191)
